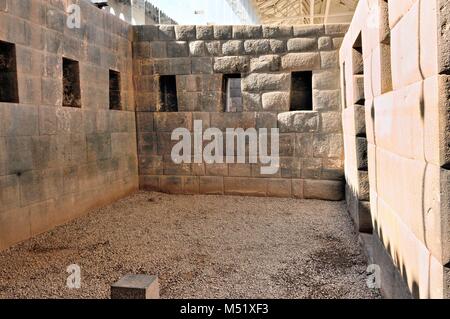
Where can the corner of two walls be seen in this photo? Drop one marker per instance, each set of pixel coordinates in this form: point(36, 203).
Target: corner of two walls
point(407, 141)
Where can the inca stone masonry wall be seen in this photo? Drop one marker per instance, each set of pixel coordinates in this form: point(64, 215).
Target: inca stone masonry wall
point(311, 142)
point(57, 162)
point(396, 132)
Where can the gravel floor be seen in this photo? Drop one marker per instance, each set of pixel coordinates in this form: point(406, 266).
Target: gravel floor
point(200, 247)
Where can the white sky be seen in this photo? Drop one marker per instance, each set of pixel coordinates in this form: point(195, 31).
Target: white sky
point(183, 11)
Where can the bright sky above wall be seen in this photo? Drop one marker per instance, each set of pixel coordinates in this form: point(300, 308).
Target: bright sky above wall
point(198, 11)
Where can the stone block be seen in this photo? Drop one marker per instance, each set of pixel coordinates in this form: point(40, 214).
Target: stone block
point(247, 32)
point(332, 169)
point(270, 31)
point(211, 185)
point(158, 49)
point(436, 125)
point(331, 122)
point(185, 32)
point(177, 49)
point(328, 146)
point(358, 90)
point(191, 184)
point(98, 146)
point(166, 33)
point(202, 65)
point(326, 80)
point(265, 63)
point(197, 48)
point(276, 101)
point(405, 50)
point(144, 33)
point(266, 120)
point(19, 155)
point(242, 120)
point(290, 167)
point(298, 122)
point(277, 46)
point(297, 188)
point(213, 48)
point(279, 188)
point(361, 153)
point(205, 32)
point(336, 29)
point(251, 102)
point(325, 43)
point(45, 151)
point(136, 287)
point(258, 82)
point(313, 31)
point(233, 47)
point(326, 100)
point(324, 190)
point(171, 184)
point(144, 121)
point(9, 192)
point(301, 61)
point(245, 186)
point(444, 39)
point(302, 45)
point(150, 165)
point(231, 65)
point(287, 144)
point(222, 32)
point(303, 145)
point(239, 170)
point(257, 47)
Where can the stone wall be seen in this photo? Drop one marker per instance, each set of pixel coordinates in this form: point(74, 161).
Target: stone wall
point(396, 131)
point(57, 162)
point(311, 143)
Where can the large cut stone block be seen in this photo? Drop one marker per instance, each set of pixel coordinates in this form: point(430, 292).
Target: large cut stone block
point(258, 82)
point(301, 61)
point(223, 32)
point(298, 122)
point(276, 101)
point(230, 65)
point(326, 100)
point(302, 45)
point(265, 63)
point(233, 47)
point(257, 47)
point(167, 122)
point(197, 48)
point(277, 31)
point(247, 32)
point(136, 287)
point(211, 185)
point(312, 31)
point(326, 190)
point(177, 49)
point(205, 32)
point(245, 186)
point(185, 32)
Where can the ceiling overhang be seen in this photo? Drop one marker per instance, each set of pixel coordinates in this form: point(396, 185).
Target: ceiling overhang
point(292, 12)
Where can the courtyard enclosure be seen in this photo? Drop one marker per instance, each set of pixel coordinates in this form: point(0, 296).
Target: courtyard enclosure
point(87, 115)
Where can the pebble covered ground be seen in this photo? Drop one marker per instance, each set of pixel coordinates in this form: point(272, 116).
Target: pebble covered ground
point(200, 247)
